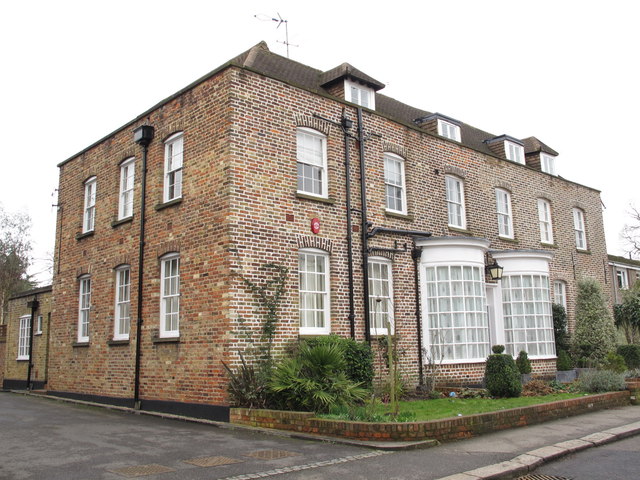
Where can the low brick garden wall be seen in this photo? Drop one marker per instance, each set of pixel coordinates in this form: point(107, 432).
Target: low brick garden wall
point(443, 430)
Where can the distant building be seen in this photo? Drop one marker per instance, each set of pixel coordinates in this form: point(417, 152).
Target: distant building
point(22, 345)
point(250, 166)
point(624, 274)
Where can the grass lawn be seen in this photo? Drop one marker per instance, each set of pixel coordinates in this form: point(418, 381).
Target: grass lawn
point(452, 407)
point(422, 410)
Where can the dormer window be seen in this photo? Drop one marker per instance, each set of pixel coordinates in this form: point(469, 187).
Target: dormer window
point(448, 130)
point(548, 163)
point(514, 152)
point(360, 94)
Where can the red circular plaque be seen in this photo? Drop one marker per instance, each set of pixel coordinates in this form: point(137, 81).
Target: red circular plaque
point(315, 225)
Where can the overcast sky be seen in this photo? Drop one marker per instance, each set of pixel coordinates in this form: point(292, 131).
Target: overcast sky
point(564, 71)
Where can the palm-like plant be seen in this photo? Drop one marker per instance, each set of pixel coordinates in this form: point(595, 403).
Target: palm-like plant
point(315, 380)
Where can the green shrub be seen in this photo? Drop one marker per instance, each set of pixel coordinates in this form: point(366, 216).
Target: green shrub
point(631, 355)
point(598, 381)
point(523, 363)
point(560, 327)
point(501, 376)
point(614, 363)
point(358, 357)
point(497, 349)
point(564, 361)
point(248, 385)
point(595, 334)
point(314, 380)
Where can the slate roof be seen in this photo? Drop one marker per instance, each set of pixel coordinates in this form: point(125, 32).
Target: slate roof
point(261, 60)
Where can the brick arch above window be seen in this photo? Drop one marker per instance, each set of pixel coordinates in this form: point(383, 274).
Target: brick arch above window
point(167, 131)
point(504, 186)
point(167, 248)
point(457, 171)
point(393, 148)
point(84, 270)
point(313, 123)
point(306, 241)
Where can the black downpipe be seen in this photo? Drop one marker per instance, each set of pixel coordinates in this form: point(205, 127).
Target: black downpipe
point(347, 166)
point(34, 305)
point(365, 228)
point(416, 253)
point(143, 136)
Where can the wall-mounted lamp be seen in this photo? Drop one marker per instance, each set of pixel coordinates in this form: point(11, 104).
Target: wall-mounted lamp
point(494, 271)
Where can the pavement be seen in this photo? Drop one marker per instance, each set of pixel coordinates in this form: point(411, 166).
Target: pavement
point(500, 455)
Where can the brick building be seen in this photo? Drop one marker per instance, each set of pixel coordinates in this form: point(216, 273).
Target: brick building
point(21, 345)
point(266, 160)
point(624, 273)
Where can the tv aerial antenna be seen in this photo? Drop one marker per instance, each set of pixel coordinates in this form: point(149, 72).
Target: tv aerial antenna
point(279, 21)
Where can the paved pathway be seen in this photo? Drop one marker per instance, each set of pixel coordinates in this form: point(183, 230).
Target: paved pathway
point(43, 438)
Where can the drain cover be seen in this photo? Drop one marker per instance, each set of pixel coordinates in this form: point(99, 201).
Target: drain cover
point(212, 461)
point(141, 470)
point(539, 476)
point(271, 454)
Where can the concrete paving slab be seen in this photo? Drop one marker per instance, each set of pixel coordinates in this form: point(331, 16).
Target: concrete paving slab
point(499, 470)
point(625, 430)
point(574, 445)
point(460, 476)
point(599, 438)
point(548, 453)
point(530, 461)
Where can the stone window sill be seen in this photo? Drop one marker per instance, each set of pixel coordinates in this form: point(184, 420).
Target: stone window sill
point(166, 340)
point(80, 344)
point(122, 221)
point(114, 343)
point(304, 196)
point(402, 216)
point(170, 203)
point(80, 236)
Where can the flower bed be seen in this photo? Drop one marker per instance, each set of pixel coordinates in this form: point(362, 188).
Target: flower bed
point(443, 430)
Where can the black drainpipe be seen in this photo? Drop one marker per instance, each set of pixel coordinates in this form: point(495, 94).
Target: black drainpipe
point(416, 253)
point(365, 229)
point(34, 305)
point(142, 136)
point(346, 125)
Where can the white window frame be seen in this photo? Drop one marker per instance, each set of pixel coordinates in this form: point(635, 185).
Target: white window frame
point(393, 184)
point(38, 325)
point(122, 312)
point(454, 193)
point(622, 279)
point(173, 166)
point(354, 91)
point(84, 308)
point(528, 319)
point(127, 182)
point(320, 289)
point(548, 163)
point(560, 293)
point(24, 337)
point(170, 295)
point(579, 229)
point(310, 159)
point(545, 221)
point(504, 213)
point(449, 130)
point(89, 211)
point(381, 306)
point(514, 152)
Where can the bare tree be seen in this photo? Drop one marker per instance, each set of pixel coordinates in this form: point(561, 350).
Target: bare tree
point(15, 256)
point(631, 233)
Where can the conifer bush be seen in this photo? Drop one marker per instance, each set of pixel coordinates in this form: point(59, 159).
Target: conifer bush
point(501, 375)
point(523, 363)
point(595, 333)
